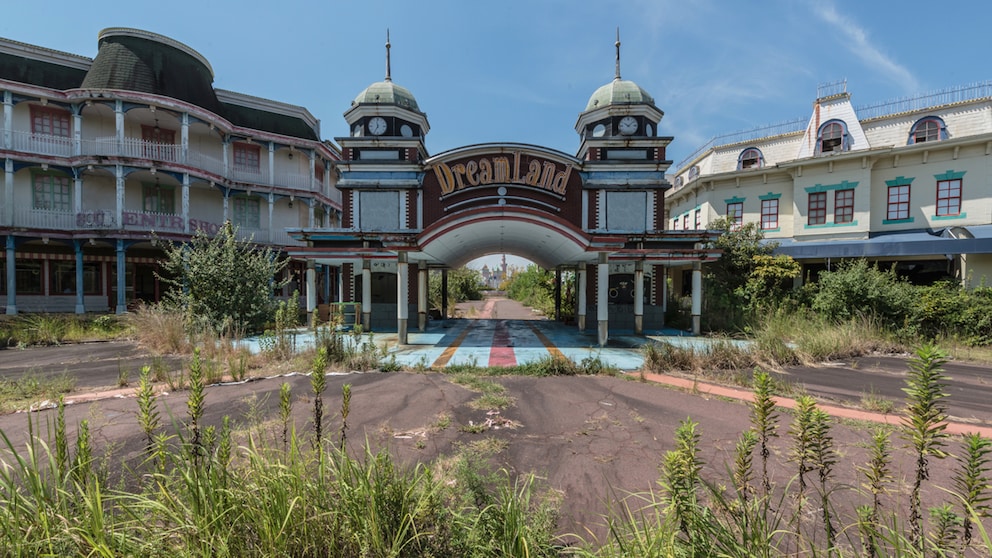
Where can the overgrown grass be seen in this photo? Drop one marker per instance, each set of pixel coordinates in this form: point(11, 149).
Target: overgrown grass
point(20, 393)
point(55, 329)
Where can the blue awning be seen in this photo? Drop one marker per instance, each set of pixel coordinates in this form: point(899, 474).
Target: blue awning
point(927, 242)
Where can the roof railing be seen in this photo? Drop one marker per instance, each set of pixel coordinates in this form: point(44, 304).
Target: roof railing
point(787, 127)
point(832, 88)
point(940, 97)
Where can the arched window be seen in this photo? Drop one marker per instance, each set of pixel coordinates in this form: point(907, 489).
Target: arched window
point(750, 158)
point(832, 137)
point(928, 128)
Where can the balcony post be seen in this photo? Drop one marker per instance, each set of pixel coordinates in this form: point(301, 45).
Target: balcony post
point(77, 190)
point(11, 275)
point(77, 129)
point(121, 279)
point(271, 207)
point(227, 157)
point(184, 138)
point(185, 202)
point(310, 215)
point(313, 172)
point(80, 299)
point(119, 125)
point(8, 192)
point(8, 118)
point(272, 163)
point(119, 209)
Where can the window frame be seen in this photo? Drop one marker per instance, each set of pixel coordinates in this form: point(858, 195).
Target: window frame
point(757, 157)
point(45, 183)
point(246, 212)
point(844, 206)
point(45, 118)
point(898, 209)
point(247, 157)
point(842, 140)
point(699, 219)
point(29, 274)
point(945, 197)
point(158, 193)
point(816, 208)
point(769, 219)
point(939, 131)
point(735, 212)
point(62, 278)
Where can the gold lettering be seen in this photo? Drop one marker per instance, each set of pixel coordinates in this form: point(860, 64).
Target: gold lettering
point(470, 169)
point(533, 173)
point(501, 170)
point(547, 175)
point(485, 171)
point(444, 179)
point(561, 180)
point(458, 171)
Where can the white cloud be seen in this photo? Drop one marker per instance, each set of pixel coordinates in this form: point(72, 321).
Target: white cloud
point(860, 44)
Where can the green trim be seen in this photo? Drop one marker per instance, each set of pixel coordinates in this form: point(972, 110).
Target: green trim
point(948, 217)
point(898, 221)
point(950, 175)
point(831, 225)
point(770, 196)
point(734, 199)
point(900, 181)
point(845, 185)
point(776, 229)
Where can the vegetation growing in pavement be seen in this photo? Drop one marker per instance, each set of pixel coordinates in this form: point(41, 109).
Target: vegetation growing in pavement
point(221, 283)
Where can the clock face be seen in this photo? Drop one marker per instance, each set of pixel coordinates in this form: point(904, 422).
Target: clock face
point(628, 125)
point(377, 126)
point(406, 131)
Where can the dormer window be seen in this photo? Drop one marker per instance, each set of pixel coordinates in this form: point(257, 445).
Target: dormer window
point(930, 128)
point(750, 158)
point(832, 137)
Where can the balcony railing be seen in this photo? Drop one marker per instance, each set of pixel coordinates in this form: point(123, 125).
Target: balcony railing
point(45, 219)
point(111, 146)
point(42, 143)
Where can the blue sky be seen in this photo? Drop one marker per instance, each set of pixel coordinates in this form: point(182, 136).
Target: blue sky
point(522, 70)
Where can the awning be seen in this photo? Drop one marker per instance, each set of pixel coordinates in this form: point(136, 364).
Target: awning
point(928, 242)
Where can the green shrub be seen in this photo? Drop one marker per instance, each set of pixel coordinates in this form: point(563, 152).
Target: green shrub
point(857, 288)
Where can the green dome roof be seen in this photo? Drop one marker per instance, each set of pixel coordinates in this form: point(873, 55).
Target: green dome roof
point(619, 92)
point(387, 93)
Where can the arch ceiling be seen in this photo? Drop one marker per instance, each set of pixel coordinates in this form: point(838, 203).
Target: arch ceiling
point(545, 242)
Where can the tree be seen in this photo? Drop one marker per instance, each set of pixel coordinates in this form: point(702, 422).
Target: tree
point(463, 284)
point(222, 283)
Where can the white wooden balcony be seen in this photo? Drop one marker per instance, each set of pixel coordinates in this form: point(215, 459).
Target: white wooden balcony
point(42, 144)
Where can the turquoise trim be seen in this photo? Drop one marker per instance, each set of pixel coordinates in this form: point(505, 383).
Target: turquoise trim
point(776, 229)
point(950, 175)
point(770, 196)
point(898, 221)
point(831, 225)
point(948, 217)
point(845, 185)
point(734, 199)
point(900, 181)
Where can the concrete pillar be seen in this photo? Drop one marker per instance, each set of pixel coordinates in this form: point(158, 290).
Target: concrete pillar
point(80, 300)
point(697, 296)
point(422, 278)
point(185, 202)
point(580, 303)
point(602, 308)
point(664, 289)
point(444, 294)
point(119, 206)
point(639, 298)
point(558, 294)
point(366, 295)
point(311, 292)
point(402, 296)
point(11, 277)
point(121, 279)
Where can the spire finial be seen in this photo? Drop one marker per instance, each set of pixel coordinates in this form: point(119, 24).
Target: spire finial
point(388, 46)
point(618, 52)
